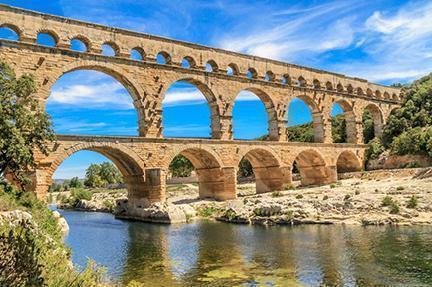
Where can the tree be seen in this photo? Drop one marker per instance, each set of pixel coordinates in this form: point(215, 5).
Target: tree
point(181, 166)
point(368, 127)
point(109, 173)
point(24, 126)
point(75, 182)
point(339, 128)
point(93, 178)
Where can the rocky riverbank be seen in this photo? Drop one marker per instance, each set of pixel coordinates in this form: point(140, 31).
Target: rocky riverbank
point(375, 198)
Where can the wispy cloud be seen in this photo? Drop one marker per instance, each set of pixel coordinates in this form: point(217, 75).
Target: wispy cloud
point(109, 94)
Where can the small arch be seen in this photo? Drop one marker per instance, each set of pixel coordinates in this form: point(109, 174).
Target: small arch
point(265, 169)
point(10, 32)
point(269, 76)
point(301, 82)
point(79, 44)
point(286, 80)
point(211, 66)
point(313, 121)
point(137, 54)
point(163, 58)
point(251, 73)
point(110, 49)
point(344, 124)
point(348, 161)
point(386, 96)
point(264, 108)
point(188, 63)
point(312, 168)
point(316, 84)
point(340, 88)
point(373, 120)
point(395, 97)
point(232, 70)
point(360, 91)
point(47, 38)
point(350, 89)
point(378, 94)
point(207, 166)
point(369, 92)
point(329, 86)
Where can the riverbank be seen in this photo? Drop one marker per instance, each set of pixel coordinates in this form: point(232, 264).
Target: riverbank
point(399, 197)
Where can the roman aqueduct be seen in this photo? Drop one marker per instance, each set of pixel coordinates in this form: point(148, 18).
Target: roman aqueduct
point(144, 160)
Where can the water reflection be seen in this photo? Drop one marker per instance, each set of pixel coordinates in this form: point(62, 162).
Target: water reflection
point(217, 254)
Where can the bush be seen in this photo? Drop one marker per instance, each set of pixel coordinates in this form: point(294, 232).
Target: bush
point(400, 188)
point(413, 202)
point(347, 197)
point(375, 148)
point(20, 257)
point(325, 197)
point(387, 201)
point(394, 207)
point(357, 192)
point(277, 194)
point(208, 211)
point(299, 196)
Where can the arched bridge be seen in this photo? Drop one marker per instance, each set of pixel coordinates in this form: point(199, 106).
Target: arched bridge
point(220, 75)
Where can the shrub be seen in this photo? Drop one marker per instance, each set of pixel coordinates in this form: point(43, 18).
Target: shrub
point(387, 201)
point(299, 196)
point(357, 192)
point(277, 194)
point(400, 188)
point(413, 202)
point(208, 211)
point(375, 148)
point(108, 204)
point(347, 197)
point(325, 197)
point(289, 186)
point(394, 207)
point(332, 185)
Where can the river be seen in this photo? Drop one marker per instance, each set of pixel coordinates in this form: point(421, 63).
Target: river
point(219, 254)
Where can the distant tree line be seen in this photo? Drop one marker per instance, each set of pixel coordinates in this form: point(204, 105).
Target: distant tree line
point(97, 175)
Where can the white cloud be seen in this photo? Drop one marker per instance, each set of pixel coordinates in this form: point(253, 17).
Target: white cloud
point(399, 45)
point(93, 96)
point(191, 96)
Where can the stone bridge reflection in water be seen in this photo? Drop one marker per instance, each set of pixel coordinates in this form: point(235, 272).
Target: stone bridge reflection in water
point(217, 254)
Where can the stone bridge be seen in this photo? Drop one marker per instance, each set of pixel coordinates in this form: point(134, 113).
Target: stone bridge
point(220, 75)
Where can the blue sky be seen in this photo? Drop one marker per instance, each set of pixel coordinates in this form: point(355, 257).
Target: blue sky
point(382, 41)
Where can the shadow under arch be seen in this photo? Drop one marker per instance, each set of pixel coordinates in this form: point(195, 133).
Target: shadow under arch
point(313, 168)
point(215, 124)
point(208, 167)
point(269, 176)
point(317, 118)
point(117, 73)
point(348, 161)
point(266, 100)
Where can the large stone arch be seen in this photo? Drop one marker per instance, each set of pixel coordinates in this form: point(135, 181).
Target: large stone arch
point(266, 165)
point(348, 161)
point(212, 101)
point(272, 123)
point(215, 180)
point(378, 118)
point(124, 78)
point(317, 117)
point(350, 119)
point(313, 168)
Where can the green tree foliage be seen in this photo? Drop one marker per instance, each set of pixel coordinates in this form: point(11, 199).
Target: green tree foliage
point(413, 141)
point(416, 111)
point(100, 175)
point(339, 128)
point(19, 263)
point(181, 166)
point(301, 133)
point(75, 182)
point(24, 126)
point(368, 127)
